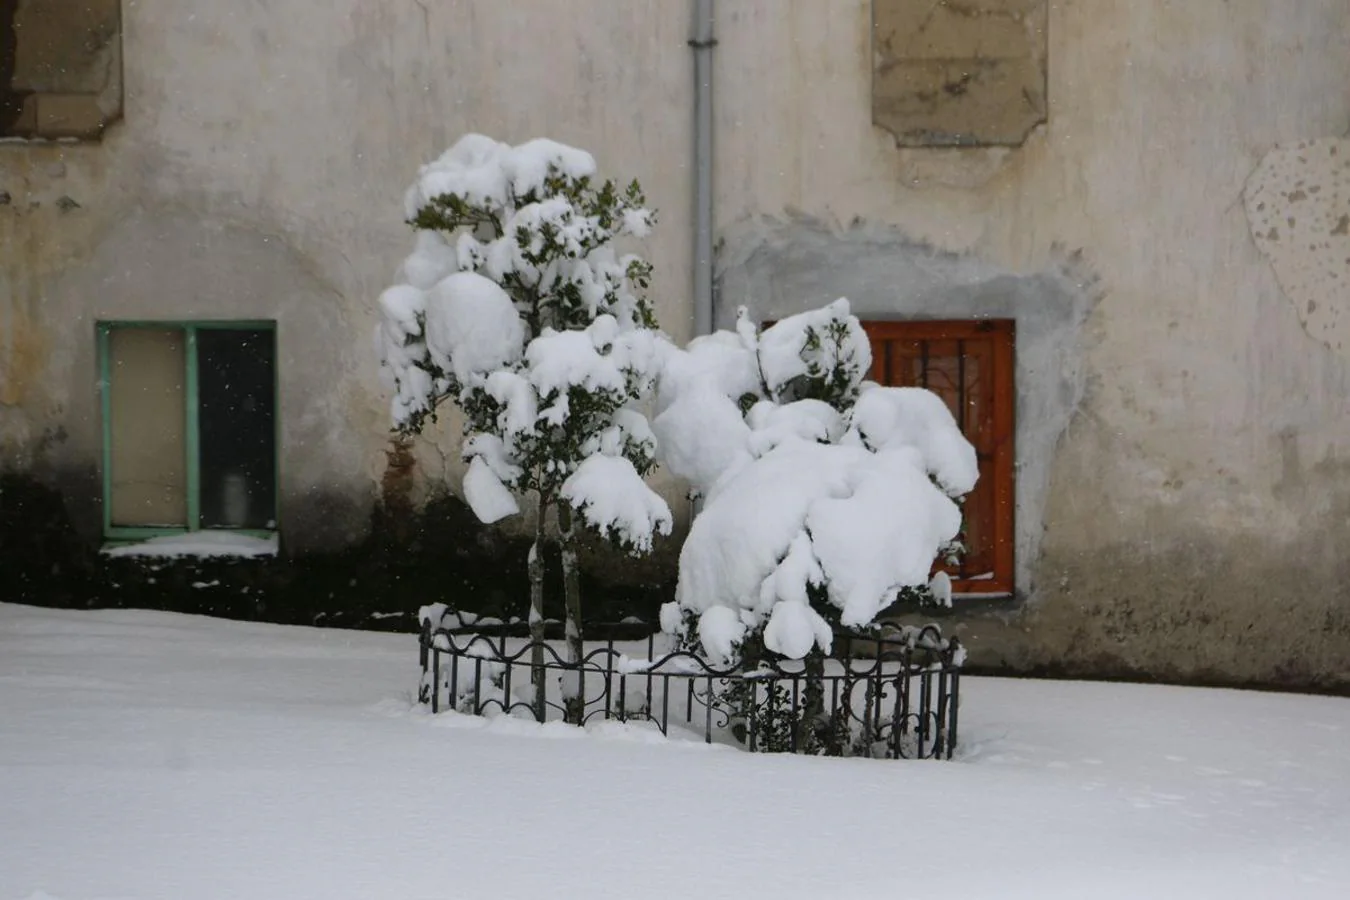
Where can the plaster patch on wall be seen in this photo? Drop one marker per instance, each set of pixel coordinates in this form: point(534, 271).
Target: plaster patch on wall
point(777, 268)
point(1298, 209)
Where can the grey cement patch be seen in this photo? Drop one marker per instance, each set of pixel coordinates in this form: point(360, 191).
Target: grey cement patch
point(778, 268)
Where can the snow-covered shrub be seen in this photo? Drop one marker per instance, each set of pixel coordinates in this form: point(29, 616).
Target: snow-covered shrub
point(826, 496)
point(516, 306)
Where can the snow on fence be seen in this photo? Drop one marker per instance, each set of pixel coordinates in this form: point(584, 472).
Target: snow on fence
point(894, 697)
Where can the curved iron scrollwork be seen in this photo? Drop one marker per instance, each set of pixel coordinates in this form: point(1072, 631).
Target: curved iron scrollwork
point(892, 696)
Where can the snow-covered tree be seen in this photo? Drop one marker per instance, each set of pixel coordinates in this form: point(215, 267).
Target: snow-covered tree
point(516, 306)
point(825, 496)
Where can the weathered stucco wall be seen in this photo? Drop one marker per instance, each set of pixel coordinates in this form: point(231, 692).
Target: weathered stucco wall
point(259, 172)
point(1181, 481)
point(1182, 441)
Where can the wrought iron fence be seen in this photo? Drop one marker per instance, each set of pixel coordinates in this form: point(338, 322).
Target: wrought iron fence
point(893, 696)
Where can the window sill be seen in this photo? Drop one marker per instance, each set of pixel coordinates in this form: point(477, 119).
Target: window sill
point(197, 544)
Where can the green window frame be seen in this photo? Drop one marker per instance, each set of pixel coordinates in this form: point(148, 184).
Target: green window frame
point(192, 407)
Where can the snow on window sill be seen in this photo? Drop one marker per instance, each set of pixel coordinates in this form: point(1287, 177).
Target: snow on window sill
point(198, 544)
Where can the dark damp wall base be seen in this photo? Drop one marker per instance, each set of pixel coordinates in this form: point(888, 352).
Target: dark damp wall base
point(439, 555)
point(1100, 619)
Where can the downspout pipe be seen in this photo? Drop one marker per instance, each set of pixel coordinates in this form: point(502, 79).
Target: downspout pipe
point(702, 41)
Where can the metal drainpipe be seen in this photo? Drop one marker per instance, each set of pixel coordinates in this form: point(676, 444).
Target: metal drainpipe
point(703, 42)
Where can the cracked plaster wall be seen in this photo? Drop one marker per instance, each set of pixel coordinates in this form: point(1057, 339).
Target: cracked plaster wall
point(1182, 514)
point(1179, 496)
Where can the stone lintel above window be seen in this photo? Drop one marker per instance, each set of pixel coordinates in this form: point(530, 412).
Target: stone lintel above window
point(60, 68)
point(959, 72)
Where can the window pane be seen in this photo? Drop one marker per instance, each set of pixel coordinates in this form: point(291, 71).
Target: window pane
point(149, 427)
point(977, 526)
point(236, 397)
point(960, 371)
point(955, 370)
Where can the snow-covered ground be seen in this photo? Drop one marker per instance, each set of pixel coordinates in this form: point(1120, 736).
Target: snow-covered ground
point(152, 755)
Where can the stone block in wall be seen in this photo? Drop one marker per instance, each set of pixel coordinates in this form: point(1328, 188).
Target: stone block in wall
point(61, 71)
point(959, 72)
point(68, 115)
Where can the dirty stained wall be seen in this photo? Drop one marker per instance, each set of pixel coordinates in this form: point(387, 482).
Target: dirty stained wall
point(258, 173)
point(1187, 518)
point(1182, 446)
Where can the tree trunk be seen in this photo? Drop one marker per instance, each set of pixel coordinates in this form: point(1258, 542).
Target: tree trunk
point(536, 569)
point(813, 721)
point(573, 700)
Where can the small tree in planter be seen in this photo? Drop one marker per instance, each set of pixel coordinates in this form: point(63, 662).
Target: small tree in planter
point(516, 306)
point(826, 497)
